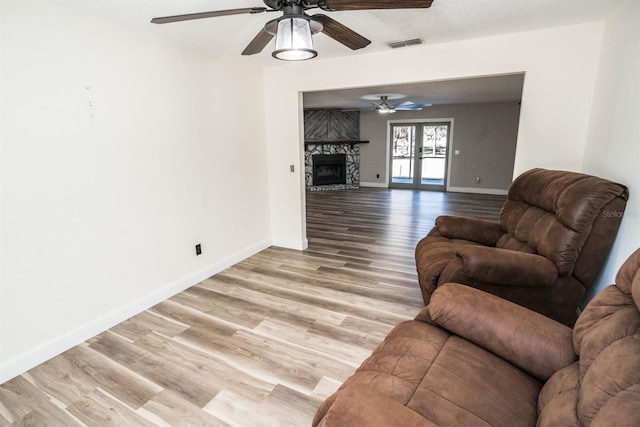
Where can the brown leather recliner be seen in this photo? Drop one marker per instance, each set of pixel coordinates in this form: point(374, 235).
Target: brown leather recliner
point(555, 231)
point(473, 359)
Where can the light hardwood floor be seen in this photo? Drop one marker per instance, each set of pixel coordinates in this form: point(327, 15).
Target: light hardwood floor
point(261, 343)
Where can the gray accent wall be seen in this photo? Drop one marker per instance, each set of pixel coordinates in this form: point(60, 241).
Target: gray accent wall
point(484, 134)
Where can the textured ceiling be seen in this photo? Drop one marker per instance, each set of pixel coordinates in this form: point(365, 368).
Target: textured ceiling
point(446, 20)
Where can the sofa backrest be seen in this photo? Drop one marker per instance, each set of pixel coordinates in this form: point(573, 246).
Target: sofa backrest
point(553, 213)
point(606, 337)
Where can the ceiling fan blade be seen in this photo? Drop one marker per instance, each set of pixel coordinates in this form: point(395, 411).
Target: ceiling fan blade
point(258, 43)
point(373, 4)
point(413, 108)
point(341, 33)
point(201, 15)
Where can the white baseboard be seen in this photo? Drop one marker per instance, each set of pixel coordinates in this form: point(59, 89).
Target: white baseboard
point(474, 190)
point(298, 245)
point(33, 358)
point(450, 189)
point(374, 184)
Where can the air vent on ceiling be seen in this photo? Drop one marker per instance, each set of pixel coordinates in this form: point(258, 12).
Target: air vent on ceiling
point(404, 43)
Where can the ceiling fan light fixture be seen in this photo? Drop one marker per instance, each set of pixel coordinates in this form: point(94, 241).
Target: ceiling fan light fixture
point(293, 39)
point(384, 107)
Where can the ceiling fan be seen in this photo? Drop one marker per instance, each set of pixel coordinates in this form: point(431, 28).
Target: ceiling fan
point(293, 30)
point(385, 108)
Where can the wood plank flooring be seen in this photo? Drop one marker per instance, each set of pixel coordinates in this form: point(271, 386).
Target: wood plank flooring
point(261, 343)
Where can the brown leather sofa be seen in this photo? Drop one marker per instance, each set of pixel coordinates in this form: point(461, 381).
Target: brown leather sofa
point(555, 231)
point(473, 359)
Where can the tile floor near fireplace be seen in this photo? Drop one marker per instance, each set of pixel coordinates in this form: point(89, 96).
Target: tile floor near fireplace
point(332, 167)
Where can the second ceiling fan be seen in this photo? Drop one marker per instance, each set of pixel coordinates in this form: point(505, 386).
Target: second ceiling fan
point(384, 107)
point(293, 30)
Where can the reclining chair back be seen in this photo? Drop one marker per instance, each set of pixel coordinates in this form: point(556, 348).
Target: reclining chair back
point(567, 217)
point(603, 386)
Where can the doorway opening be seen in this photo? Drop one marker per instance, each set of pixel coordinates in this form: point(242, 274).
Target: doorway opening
point(419, 154)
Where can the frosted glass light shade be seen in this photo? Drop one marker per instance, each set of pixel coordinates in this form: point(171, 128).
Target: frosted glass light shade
point(293, 40)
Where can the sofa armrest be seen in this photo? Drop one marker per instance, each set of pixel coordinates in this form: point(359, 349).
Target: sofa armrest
point(360, 405)
point(529, 340)
point(472, 229)
point(507, 267)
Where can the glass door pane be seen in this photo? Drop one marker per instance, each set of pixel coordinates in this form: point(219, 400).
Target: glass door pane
point(433, 155)
point(403, 146)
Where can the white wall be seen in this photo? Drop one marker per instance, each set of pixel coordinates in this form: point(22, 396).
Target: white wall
point(613, 144)
point(560, 66)
point(100, 215)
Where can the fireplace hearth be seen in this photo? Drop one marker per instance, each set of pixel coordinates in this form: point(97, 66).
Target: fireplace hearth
point(329, 169)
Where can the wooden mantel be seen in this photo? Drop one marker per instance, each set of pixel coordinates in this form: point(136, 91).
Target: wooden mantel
point(351, 143)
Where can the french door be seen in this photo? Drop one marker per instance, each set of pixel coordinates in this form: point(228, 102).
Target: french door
point(419, 155)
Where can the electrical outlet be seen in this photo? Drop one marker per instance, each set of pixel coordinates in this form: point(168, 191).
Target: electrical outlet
point(198, 249)
point(377, 175)
point(292, 168)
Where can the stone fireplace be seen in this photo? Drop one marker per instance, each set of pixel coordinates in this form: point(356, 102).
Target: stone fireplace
point(332, 149)
point(332, 166)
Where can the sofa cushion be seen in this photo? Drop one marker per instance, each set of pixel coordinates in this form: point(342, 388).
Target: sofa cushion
point(529, 340)
point(445, 379)
point(470, 386)
point(362, 405)
point(399, 364)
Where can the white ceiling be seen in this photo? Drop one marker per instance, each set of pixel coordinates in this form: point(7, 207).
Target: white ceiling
point(446, 20)
point(462, 91)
